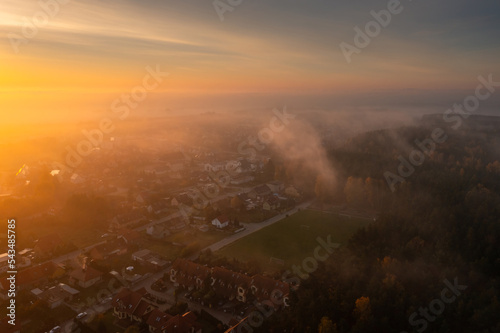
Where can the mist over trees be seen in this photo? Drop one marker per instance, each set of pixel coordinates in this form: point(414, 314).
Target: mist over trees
point(441, 224)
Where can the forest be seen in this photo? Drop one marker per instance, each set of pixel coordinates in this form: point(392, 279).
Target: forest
point(440, 227)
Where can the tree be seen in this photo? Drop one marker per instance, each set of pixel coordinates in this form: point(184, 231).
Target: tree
point(132, 329)
point(327, 326)
point(324, 187)
point(237, 203)
point(354, 191)
point(269, 169)
point(363, 308)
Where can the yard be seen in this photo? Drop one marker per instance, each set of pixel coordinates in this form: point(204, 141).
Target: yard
point(292, 239)
point(184, 243)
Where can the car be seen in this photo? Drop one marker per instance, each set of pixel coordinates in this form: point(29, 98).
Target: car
point(130, 268)
point(56, 329)
point(81, 315)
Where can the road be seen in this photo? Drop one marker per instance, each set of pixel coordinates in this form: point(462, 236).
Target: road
point(251, 228)
point(149, 280)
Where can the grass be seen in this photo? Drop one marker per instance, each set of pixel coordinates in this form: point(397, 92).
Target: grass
point(166, 250)
point(208, 238)
point(292, 239)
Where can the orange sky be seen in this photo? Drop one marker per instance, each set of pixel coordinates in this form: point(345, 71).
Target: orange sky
point(92, 51)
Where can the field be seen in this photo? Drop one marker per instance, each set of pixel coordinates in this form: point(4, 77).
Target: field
point(292, 239)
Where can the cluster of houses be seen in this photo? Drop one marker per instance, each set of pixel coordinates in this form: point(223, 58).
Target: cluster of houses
point(134, 307)
point(271, 197)
point(42, 281)
point(200, 171)
point(227, 284)
point(175, 167)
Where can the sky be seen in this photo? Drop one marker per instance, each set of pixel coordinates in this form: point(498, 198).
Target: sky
point(87, 53)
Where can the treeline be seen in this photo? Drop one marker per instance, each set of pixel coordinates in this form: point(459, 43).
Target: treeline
point(440, 226)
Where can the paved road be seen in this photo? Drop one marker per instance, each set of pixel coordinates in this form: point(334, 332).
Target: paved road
point(251, 228)
point(147, 281)
point(76, 253)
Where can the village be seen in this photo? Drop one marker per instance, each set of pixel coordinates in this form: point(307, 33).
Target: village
point(144, 260)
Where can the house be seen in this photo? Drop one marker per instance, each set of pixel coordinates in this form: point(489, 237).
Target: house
point(271, 203)
point(38, 275)
point(4, 262)
point(56, 295)
point(157, 321)
point(182, 199)
point(85, 277)
point(186, 324)
point(21, 261)
point(175, 224)
point(104, 251)
point(47, 246)
point(230, 285)
point(259, 192)
point(164, 323)
point(220, 222)
point(158, 231)
point(23, 258)
point(265, 288)
point(157, 207)
point(130, 236)
point(132, 305)
point(123, 220)
point(148, 258)
point(188, 274)
point(276, 186)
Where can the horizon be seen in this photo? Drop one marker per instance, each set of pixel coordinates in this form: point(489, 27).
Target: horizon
point(88, 53)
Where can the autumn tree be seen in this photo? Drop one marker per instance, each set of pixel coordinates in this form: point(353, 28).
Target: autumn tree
point(327, 326)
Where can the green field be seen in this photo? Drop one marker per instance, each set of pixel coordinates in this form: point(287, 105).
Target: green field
point(292, 239)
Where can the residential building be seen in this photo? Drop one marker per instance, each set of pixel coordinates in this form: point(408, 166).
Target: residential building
point(160, 322)
point(150, 259)
point(276, 186)
point(85, 277)
point(188, 274)
point(158, 231)
point(271, 203)
point(220, 222)
point(38, 276)
point(228, 284)
point(56, 295)
point(108, 249)
point(132, 305)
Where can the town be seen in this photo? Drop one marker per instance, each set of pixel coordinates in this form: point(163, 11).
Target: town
point(151, 240)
